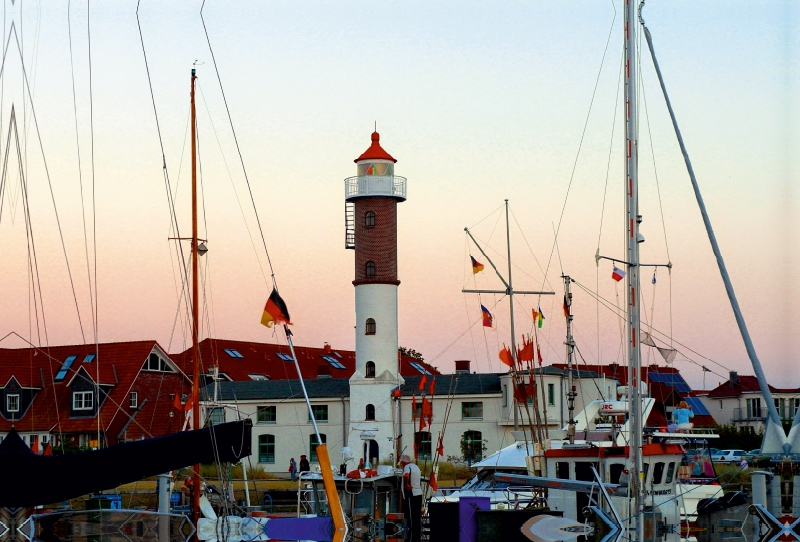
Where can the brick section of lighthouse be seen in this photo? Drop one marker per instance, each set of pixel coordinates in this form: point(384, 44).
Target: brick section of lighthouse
point(378, 243)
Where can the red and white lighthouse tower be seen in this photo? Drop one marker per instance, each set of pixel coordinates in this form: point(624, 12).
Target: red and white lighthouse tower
point(371, 199)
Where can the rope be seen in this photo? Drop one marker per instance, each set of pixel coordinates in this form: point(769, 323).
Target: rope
point(583, 134)
point(238, 149)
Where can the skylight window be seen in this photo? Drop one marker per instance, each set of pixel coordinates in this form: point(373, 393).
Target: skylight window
point(62, 372)
point(284, 357)
point(233, 353)
point(334, 362)
point(88, 358)
point(420, 369)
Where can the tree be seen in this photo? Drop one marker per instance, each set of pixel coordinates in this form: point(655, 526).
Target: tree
point(411, 353)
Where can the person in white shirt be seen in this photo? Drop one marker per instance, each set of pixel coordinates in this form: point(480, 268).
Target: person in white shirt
point(412, 497)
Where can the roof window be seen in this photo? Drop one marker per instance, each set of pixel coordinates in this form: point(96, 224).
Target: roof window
point(88, 358)
point(284, 357)
point(335, 363)
point(62, 372)
point(420, 369)
point(233, 353)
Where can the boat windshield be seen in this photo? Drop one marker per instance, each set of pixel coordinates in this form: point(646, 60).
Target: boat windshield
point(484, 480)
point(697, 463)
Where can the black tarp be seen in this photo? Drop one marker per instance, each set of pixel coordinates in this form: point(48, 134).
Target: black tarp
point(28, 479)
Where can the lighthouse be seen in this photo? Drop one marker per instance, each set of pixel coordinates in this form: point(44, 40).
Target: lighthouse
point(371, 199)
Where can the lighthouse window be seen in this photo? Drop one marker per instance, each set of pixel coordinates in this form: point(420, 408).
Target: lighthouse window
point(370, 327)
point(370, 269)
point(375, 169)
point(370, 369)
point(369, 219)
point(370, 413)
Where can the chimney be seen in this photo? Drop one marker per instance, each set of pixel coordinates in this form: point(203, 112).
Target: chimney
point(327, 348)
point(614, 367)
point(324, 371)
point(462, 366)
point(734, 378)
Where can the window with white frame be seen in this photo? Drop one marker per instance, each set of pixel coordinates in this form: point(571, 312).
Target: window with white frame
point(82, 400)
point(134, 399)
point(12, 402)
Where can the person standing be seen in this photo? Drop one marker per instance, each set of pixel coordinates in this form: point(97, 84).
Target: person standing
point(305, 466)
point(293, 469)
point(412, 497)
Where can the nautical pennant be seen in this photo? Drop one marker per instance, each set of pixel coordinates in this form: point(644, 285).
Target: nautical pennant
point(618, 274)
point(488, 319)
point(477, 266)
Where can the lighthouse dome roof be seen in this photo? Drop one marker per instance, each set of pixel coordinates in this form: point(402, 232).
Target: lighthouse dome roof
point(375, 151)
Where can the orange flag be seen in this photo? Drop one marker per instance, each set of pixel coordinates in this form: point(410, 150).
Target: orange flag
point(422, 382)
point(440, 447)
point(48, 450)
point(432, 481)
point(35, 444)
point(433, 385)
point(526, 352)
point(505, 356)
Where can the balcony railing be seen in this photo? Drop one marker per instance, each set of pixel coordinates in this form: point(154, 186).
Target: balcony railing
point(392, 186)
point(750, 414)
point(761, 413)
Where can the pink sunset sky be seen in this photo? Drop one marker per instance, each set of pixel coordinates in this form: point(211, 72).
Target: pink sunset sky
point(479, 102)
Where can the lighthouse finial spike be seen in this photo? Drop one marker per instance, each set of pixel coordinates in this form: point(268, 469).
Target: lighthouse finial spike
point(376, 126)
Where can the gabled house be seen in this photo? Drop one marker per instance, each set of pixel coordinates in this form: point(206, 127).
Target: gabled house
point(739, 401)
point(71, 396)
point(243, 361)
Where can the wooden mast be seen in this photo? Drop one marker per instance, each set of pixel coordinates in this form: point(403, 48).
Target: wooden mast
point(195, 309)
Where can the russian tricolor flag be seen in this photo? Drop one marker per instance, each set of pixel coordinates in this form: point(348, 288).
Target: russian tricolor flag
point(618, 274)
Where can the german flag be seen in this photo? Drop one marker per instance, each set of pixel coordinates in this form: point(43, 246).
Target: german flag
point(275, 311)
point(477, 266)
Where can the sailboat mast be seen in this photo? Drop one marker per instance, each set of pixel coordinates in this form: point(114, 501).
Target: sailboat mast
point(511, 309)
point(570, 342)
point(195, 308)
point(632, 277)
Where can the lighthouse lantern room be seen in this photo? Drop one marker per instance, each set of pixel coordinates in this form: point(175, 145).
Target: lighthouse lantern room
point(371, 199)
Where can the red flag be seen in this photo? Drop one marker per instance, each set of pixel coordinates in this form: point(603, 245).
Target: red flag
point(566, 306)
point(48, 450)
point(520, 393)
point(505, 356)
point(433, 385)
point(427, 408)
point(35, 444)
point(422, 382)
point(526, 352)
point(414, 404)
point(440, 447)
point(432, 481)
point(185, 407)
point(422, 424)
point(539, 354)
point(531, 390)
point(416, 449)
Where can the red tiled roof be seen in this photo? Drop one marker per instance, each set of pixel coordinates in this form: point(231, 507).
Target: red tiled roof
point(746, 384)
point(120, 366)
point(375, 151)
point(263, 359)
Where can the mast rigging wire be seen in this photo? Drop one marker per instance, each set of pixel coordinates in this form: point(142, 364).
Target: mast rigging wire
point(583, 134)
point(238, 149)
point(44, 162)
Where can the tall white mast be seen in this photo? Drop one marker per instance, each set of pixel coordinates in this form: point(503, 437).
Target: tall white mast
point(632, 278)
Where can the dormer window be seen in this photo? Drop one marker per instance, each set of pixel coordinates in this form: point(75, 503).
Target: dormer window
point(82, 400)
point(12, 402)
point(370, 371)
point(370, 269)
point(370, 327)
point(156, 363)
point(369, 219)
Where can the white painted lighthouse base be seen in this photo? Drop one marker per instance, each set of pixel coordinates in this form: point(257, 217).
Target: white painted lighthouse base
point(378, 393)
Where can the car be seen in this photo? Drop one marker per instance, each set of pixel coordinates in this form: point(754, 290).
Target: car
point(752, 454)
point(730, 456)
point(714, 451)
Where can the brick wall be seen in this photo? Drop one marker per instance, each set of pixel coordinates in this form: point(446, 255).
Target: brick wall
point(378, 243)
